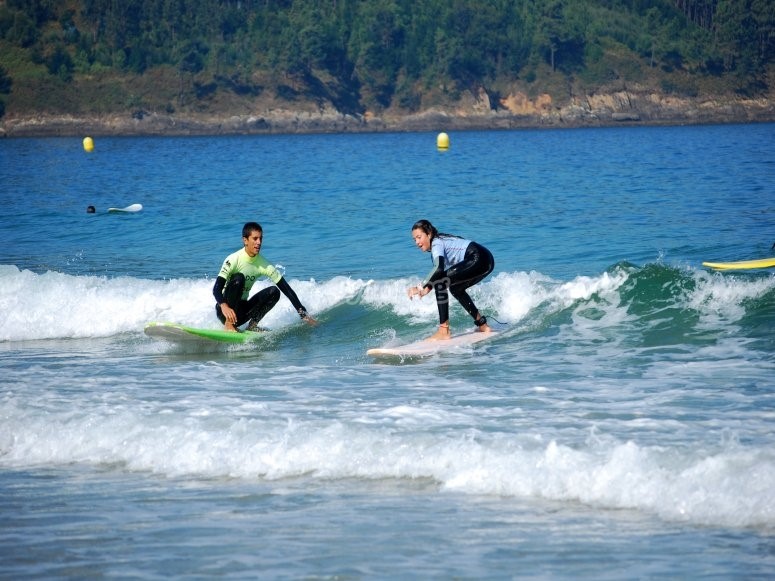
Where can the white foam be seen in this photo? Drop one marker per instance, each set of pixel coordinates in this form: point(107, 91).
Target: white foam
point(731, 486)
point(509, 296)
point(55, 305)
point(721, 298)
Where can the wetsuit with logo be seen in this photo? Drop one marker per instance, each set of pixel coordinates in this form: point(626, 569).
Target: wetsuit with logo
point(458, 264)
point(236, 278)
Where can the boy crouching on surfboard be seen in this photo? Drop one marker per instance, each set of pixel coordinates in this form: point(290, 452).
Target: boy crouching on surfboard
point(241, 269)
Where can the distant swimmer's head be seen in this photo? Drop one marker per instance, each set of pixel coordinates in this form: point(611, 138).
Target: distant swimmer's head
point(423, 233)
point(91, 210)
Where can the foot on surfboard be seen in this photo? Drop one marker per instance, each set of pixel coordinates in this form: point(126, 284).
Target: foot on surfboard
point(255, 327)
point(442, 334)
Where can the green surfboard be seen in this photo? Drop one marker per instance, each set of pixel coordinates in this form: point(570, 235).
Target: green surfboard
point(183, 334)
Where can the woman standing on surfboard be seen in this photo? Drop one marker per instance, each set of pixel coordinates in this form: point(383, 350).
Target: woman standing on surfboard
point(238, 273)
point(458, 264)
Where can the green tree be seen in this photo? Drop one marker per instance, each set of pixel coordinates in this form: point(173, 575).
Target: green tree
point(19, 28)
point(376, 48)
point(763, 15)
point(59, 62)
point(5, 88)
point(6, 82)
point(738, 43)
point(41, 11)
point(378, 53)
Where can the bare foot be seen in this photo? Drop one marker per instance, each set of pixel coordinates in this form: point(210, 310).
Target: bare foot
point(484, 328)
point(442, 334)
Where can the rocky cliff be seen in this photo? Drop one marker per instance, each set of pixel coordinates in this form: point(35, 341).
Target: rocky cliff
point(473, 111)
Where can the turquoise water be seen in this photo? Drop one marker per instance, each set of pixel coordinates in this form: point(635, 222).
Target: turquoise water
point(619, 427)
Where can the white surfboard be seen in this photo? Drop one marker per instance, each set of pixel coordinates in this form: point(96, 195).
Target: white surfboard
point(128, 210)
point(424, 347)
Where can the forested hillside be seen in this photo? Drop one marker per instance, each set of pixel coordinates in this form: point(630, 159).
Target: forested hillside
point(173, 56)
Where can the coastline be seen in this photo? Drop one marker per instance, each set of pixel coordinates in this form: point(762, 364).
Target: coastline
point(474, 113)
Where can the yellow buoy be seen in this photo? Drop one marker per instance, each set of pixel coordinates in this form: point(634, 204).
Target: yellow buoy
point(442, 141)
point(88, 144)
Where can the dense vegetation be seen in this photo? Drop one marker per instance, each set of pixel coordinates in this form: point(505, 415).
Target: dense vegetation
point(369, 54)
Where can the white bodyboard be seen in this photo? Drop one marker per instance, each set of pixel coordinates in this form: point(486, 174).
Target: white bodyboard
point(425, 347)
point(131, 209)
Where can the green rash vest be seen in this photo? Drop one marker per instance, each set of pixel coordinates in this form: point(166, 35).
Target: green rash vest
point(253, 269)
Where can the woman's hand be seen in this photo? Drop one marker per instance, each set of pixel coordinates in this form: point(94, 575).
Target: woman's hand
point(418, 291)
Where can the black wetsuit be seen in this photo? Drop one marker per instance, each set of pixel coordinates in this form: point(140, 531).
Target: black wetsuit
point(477, 263)
point(256, 306)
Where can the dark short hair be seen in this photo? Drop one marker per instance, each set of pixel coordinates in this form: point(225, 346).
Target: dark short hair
point(250, 227)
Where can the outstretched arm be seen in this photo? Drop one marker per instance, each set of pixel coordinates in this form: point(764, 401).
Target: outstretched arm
point(426, 286)
point(286, 289)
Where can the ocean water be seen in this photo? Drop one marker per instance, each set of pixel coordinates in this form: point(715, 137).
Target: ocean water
point(621, 425)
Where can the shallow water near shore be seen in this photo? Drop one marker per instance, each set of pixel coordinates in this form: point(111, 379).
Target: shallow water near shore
point(619, 427)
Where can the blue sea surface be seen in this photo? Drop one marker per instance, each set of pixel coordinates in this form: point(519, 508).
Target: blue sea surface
point(619, 426)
